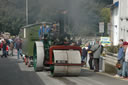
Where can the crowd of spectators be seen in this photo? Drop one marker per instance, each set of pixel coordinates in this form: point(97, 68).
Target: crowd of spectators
point(7, 47)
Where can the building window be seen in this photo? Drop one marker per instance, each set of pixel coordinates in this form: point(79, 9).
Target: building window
point(126, 19)
point(121, 19)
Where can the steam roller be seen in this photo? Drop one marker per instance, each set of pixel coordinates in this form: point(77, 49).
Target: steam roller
point(54, 50)
point(56, 53)
point(62, 60)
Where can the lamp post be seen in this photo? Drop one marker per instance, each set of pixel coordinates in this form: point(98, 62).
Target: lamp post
point(26, 12)
point(26, 18)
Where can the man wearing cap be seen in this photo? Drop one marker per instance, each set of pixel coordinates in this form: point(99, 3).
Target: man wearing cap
point(125, 63)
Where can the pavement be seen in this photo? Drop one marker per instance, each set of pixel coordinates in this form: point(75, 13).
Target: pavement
point(13, 71)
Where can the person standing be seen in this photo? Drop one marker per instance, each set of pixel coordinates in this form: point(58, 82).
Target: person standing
point(19, 48)
point(43, 30)
point(54, 29)
point(48, 29)
point(4, 49)
point(84, 54)
point(90, 57)
point(1, 44)
point(40, 33)
point(79, 42)
point(96, 49)
point(7, 49)
point(11, 48)
point(120, 58)
point(125, 63)
point(121, 41)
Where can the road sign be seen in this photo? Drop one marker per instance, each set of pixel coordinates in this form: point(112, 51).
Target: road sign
point(101, 27)
point(105, 41)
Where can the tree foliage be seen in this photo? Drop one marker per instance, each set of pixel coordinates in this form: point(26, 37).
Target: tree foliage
point(105, 15)
point(11, 17)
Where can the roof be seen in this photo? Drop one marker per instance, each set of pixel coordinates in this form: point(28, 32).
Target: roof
point(31, 25)
point(116, 4)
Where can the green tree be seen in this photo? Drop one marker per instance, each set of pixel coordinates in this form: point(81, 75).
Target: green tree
point(105, 17)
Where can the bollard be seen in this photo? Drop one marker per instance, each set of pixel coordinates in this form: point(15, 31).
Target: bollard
point(87, 63)
point(101, 64)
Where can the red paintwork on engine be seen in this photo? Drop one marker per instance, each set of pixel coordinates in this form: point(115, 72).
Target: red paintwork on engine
point(61, 47)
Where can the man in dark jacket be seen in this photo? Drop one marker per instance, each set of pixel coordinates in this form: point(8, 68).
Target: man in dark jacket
point(90, 57)
point(84, 54)
point(4, 49)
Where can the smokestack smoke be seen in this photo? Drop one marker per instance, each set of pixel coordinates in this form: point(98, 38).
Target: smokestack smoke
point(83, 15)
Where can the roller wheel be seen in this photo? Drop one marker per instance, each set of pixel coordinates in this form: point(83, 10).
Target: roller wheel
point(71, 56)
point(38, 57)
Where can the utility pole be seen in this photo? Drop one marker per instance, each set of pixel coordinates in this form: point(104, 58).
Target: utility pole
point(26, 12)
point(26, 18)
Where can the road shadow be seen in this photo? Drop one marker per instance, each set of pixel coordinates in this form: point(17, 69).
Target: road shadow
point(11, 73)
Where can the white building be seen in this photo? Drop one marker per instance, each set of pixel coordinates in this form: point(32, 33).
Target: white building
point(119, 21)
point(123, 19)
point(115, 23)
point(115, 1)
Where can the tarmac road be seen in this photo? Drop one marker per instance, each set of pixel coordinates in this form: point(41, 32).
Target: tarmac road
point(14, 72)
